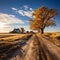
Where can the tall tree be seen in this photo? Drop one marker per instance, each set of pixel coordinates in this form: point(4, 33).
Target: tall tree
point(42, 18)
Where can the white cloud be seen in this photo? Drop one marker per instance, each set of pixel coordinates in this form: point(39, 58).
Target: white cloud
point(8, 22)
point(31, 9)
point(25, 7)
point(21, 12)
point(28, 13)
point(24, 12)
point(14, 9)
point(9, 19)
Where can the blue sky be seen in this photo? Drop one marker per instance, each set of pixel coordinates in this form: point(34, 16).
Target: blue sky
point(16, 13)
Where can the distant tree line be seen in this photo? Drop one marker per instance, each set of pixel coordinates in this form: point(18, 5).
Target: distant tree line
point(21, 30)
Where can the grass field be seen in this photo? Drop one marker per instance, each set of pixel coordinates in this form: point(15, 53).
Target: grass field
point(11, 37)
point(9, 43)
point(54, 38)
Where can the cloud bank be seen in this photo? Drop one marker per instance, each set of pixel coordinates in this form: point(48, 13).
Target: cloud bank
point(9, 21)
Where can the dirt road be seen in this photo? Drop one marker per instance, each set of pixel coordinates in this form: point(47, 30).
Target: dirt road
point(34, 48)
point(52, 52)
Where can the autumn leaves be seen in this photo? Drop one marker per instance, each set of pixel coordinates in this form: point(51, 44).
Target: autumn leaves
point(43, 17)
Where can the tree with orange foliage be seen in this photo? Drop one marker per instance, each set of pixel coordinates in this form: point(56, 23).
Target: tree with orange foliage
point(42, 18)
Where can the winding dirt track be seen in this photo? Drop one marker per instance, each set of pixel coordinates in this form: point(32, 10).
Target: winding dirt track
point(29, 52)
point(35, 48)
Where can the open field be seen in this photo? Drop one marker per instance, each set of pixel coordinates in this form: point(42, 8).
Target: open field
point(9, 43)
point(30, 46)
point(11, 37)
point(54, 37)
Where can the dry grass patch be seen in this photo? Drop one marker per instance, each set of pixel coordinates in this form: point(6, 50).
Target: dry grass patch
point(7, 45)
point(12, 37)
point(54, 37)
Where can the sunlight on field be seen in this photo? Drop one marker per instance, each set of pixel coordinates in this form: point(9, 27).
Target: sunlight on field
point(11, 37)
point(54, 37)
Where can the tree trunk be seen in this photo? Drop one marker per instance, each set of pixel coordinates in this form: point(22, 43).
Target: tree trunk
point(42, 30)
